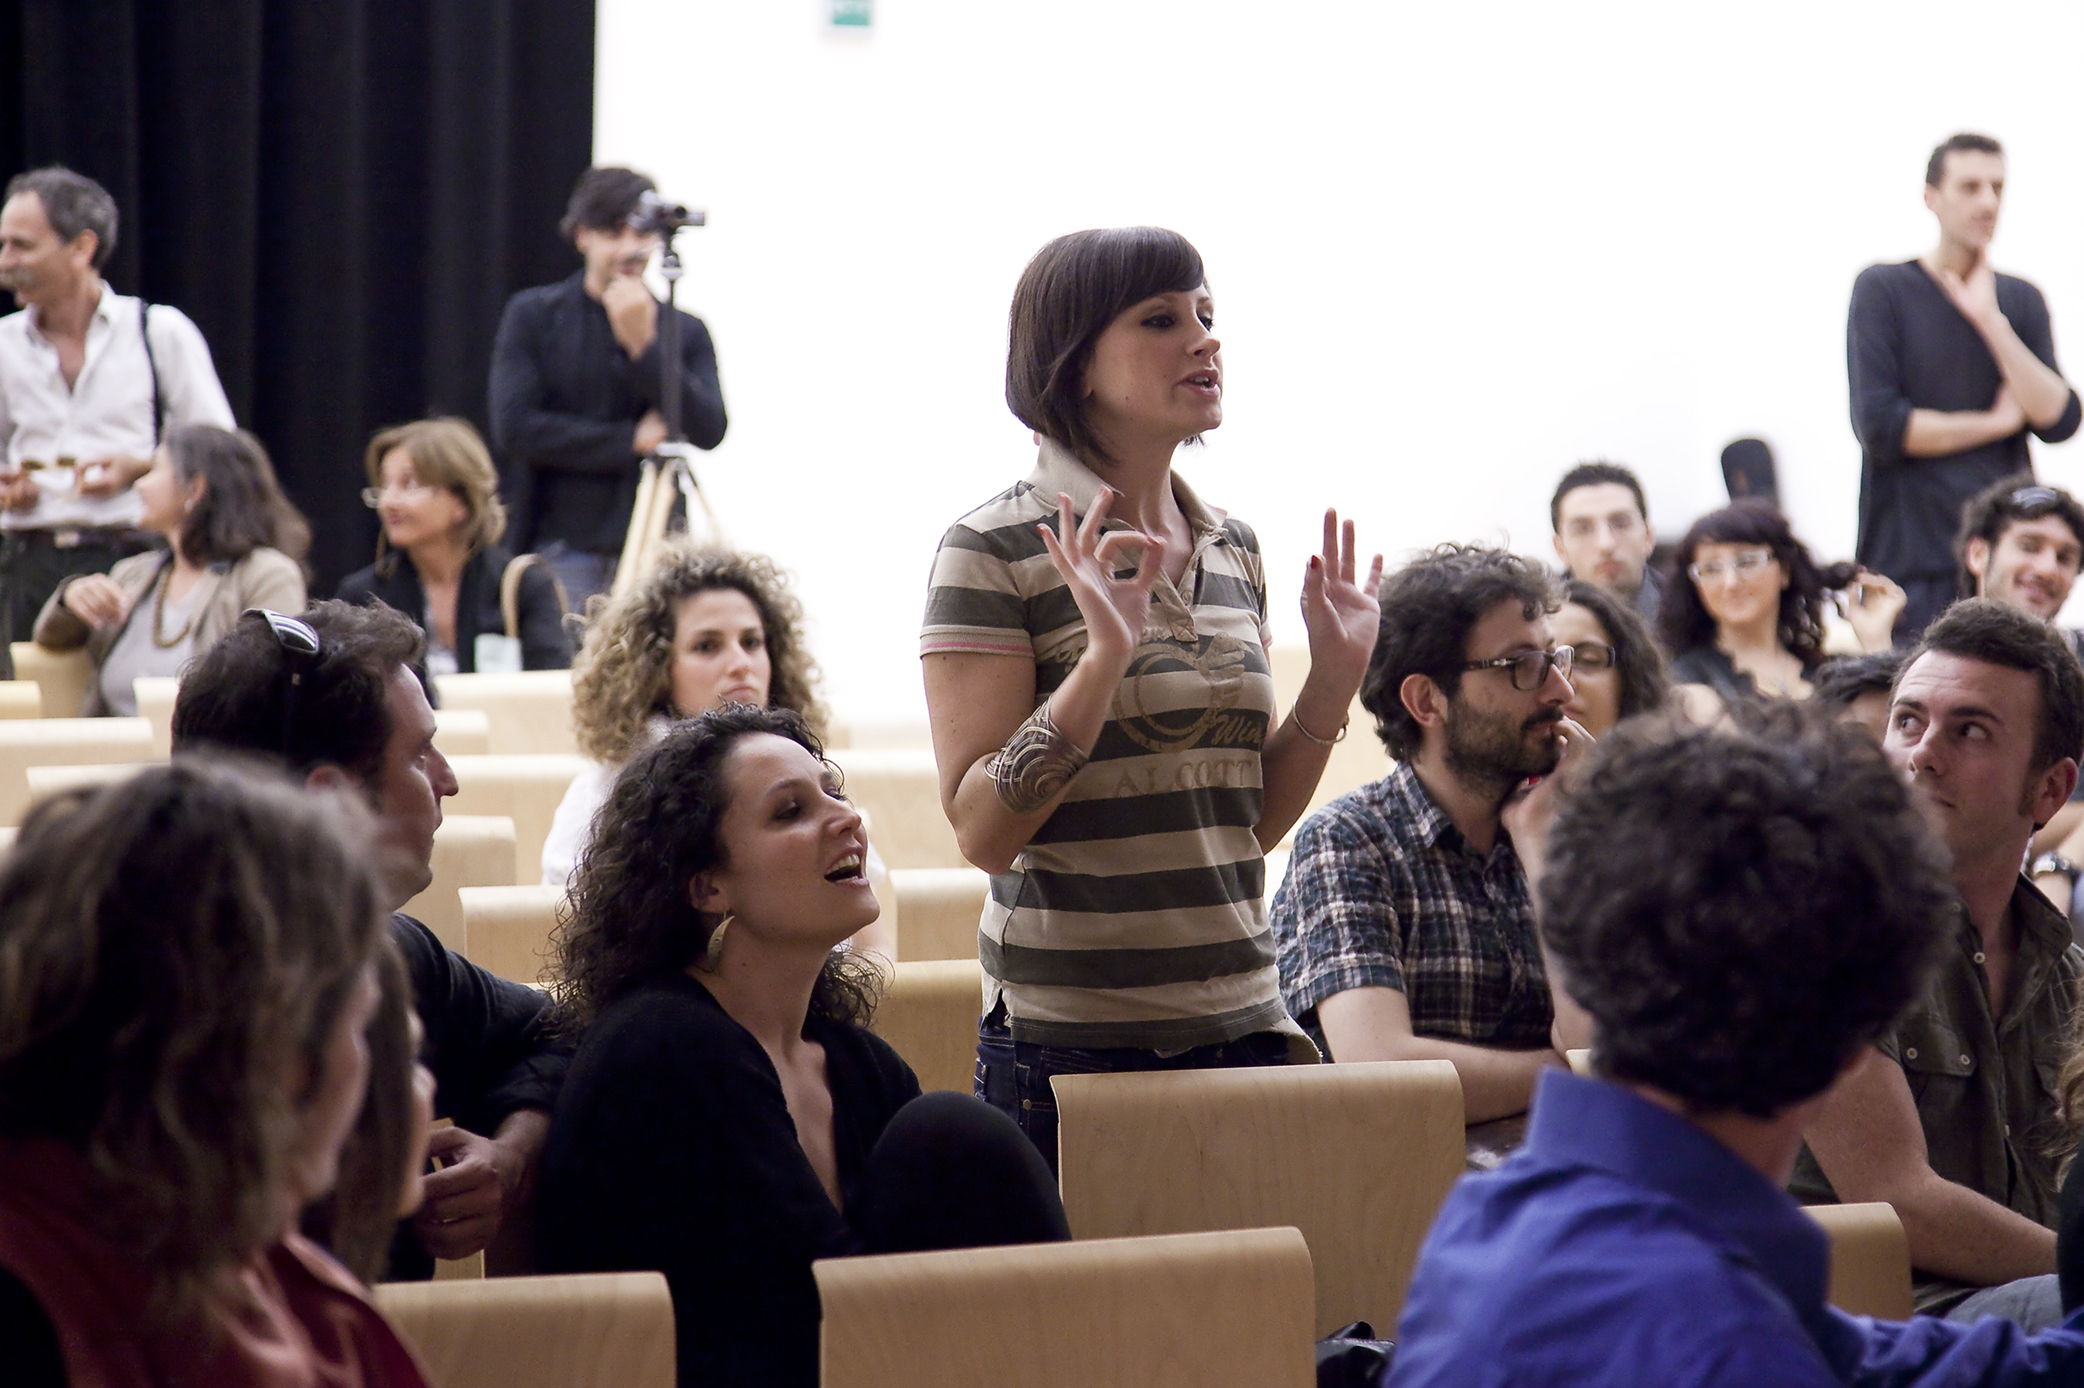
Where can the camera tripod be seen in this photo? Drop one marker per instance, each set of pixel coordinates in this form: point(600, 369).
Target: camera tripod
point(669, 472)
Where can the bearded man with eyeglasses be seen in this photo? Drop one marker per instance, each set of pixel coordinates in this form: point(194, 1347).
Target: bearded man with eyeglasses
point(1404, 929)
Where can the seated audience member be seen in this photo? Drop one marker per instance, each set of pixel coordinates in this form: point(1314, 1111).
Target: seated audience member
point(1641, 1238)
point(1603, 534)
point(1745, 615)
point(188, 963)
point(1616, 670)
point(703, 629)
point(2021, 544)
point(1955, 1121)
point(1858, 688)
point(439, 560)
point(334, 696)
point(2069, 1238)
point(1404, 929)
point(729, 1119)
point(233, 541)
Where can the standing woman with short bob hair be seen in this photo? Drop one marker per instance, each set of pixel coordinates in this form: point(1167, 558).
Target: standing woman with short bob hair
point(439, 560)
point(1101, 702)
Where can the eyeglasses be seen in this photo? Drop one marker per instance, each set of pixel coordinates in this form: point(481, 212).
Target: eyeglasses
point(1530, 670)
point(1745, 566)
point(1592, 655)
point(300, 648)
point(373, 497)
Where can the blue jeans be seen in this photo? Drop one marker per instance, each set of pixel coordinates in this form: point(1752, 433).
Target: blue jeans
point(582, 572)
point(1013, 1076)
point(2033, 1304)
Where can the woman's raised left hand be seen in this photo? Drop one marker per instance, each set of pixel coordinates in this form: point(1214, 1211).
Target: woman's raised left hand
point(1341, 615)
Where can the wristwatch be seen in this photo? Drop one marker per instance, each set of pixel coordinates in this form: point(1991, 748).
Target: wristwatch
point(2052, 861)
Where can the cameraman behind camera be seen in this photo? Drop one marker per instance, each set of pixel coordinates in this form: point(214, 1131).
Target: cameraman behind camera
point(575, 389)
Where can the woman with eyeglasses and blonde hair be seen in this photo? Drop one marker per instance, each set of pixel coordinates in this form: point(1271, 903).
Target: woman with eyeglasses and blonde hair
point(1746, 616)
point(439, 560)
point(233, 541)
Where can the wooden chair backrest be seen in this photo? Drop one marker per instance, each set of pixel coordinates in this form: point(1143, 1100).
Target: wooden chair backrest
point(506, 930)
point(21, 699)
point(469, 851)
point(1186, 1311)
point(1358, 1156)
point(929, 1015)
point(900, 787)
point(526, 789)
point(62, 677)
point(1870, 1259)
point(530, 711)
point(586, 1330)
point(938, 910)
point(27, 742)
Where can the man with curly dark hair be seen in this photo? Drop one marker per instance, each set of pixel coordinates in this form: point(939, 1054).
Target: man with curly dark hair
point(1955, 1122)
point(1743, 911)
point(1404, 929)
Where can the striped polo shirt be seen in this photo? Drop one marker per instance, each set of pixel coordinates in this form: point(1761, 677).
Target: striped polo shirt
point(1135, 916)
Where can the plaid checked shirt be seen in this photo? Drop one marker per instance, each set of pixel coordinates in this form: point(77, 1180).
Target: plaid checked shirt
point(1384, 892)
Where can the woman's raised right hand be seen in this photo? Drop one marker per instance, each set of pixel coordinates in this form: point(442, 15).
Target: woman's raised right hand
point(1113, 608)
point(95, 599)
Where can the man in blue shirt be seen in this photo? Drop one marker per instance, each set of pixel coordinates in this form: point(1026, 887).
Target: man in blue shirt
point(1741, 911)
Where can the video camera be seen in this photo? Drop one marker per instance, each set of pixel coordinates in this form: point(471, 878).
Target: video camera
point(661, 218)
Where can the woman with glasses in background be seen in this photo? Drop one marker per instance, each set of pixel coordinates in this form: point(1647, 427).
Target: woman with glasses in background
point(1746, 618)
point(233, 541)
point(1616, 669)
point(439, 560)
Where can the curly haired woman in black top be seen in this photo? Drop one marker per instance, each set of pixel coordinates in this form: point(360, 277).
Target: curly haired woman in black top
point(728, 1119)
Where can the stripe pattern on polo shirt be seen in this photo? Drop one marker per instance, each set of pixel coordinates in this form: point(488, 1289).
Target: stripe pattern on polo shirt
point(1135, 917)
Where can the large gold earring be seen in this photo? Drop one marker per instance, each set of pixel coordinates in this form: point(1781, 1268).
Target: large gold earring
point(713, 956)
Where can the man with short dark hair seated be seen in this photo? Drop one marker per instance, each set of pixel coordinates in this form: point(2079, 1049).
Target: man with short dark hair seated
point(333, 694)
point(1404, 930)
point(1742, 910)
point(1956, 1122)
point(1857, 688)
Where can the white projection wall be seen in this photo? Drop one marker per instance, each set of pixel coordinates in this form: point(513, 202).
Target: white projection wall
point(1454, 248)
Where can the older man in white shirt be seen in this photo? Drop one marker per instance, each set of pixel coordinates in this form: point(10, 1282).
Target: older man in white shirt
point(89, 381)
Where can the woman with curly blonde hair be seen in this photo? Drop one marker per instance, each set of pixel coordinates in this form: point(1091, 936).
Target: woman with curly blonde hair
point(705, 628)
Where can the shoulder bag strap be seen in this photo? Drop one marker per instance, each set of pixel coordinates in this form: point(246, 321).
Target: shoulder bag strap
point(144, 328)
point(510, 592)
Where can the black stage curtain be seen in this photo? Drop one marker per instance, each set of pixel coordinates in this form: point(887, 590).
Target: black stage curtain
point(341, 193)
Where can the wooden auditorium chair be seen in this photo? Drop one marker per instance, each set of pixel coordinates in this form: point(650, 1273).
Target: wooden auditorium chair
point(938, 910)
point(61, 676)
point(530, 711)
point(526, 788)
point(582, 1330)
point(929, 1016)
point(900, 789)
point(469, 851)
point(27, 742)
point(459, 732)
point(1358, 759)
point(21, 699)
point(1222, 1310)
point(506, 930)
point(1357, 1156)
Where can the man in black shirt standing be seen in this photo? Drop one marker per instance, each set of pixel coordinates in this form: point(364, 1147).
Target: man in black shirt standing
point(1950, 364)
point(576, 388)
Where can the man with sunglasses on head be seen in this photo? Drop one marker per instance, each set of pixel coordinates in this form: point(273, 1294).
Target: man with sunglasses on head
point(333, 695)
point(1404, 928)
point(1950, 366)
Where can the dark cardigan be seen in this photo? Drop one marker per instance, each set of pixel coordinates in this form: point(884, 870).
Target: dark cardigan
point(394, 582)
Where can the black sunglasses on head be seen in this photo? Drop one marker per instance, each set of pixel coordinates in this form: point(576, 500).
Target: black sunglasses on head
point(300, 648)
point(2034, 499)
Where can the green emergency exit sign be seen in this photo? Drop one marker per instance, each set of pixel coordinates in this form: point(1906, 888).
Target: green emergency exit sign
point(858, 14)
